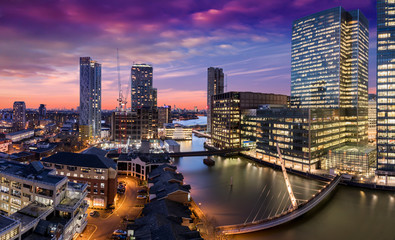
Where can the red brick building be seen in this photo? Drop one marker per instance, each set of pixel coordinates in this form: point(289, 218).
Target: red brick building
point(98, 171)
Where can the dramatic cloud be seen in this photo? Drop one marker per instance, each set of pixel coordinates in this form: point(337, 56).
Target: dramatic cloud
point(41, 42)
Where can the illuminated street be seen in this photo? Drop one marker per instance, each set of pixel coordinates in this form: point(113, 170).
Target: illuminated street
point(103, 226)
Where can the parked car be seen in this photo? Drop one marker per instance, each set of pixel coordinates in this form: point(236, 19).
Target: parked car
point(141, 197)
point(119, 234)
point(94, 214)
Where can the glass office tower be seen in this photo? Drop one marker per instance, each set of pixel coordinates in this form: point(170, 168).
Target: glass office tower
point(330, 66)
point(386, 90)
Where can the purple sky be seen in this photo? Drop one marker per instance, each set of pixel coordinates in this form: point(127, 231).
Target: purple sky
point(41, 43)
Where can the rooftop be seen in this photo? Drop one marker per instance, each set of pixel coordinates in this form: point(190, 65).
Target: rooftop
point(33, 171)
point(171, 142)
point(20, 132)
point(355, 149)
point(6, 222)
point(81, 160)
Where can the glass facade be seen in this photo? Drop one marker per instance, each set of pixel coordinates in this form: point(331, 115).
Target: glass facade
point(330, 66)
point(386, 87)
point(353, 160)
point(303, 135)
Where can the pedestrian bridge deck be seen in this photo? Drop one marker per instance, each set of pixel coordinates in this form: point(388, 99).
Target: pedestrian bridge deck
point(283, 217)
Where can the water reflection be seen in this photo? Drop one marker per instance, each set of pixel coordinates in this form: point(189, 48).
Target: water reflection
point(350, 213)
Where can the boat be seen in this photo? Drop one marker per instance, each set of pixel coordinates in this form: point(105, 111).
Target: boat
point(209, 162)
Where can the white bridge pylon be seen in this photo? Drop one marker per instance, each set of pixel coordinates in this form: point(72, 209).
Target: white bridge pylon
point(289, 188)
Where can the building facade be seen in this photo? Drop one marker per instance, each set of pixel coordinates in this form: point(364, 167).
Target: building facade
point(98, 172)
point(386, 90)
point(90, 99)
point(215, 85)
point(226, 115)
point(304, 135)
point(164, 115)
point(372, 116)
point(143, 94)
point(19, 116)
point(330, 66)
point(134, 126)
point(32, 194)
point(42, 112)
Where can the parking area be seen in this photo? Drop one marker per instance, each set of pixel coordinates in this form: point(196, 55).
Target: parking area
point(103, 223)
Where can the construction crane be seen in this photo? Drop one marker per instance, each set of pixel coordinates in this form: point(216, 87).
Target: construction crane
point(122, 101)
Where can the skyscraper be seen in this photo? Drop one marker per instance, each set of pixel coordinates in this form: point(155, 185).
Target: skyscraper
point(215, 85)
point(19, 116)
point(386, 90)
point(90, 99)
point(143, 94)
point(42, 112)
point(330, 66)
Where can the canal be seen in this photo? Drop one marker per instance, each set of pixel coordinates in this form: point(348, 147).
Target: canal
point(228, 194)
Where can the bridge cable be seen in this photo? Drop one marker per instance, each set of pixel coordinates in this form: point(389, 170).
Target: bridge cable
point(259, 210)
point(280, 204)
point(255, 204)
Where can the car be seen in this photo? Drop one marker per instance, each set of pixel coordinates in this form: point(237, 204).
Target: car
point(142, 191)
point(141, 197)
point(94, 213)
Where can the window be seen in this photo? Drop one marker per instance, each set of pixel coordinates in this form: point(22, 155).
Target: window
point(85, 170)
point(71, 168)
point(102, 185)
point(58, 166)
point(102, 192)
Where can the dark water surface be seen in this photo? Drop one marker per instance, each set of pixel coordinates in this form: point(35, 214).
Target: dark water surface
point(349, 213)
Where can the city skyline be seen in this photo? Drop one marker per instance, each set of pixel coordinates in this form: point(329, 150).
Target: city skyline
point(248, 39)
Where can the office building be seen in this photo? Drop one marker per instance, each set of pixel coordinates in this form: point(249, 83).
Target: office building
point(90, 99)
point(386, 90)
point(372, 117)
point(226, 115)
point(41, 203)
point(215, 85)
point(143, 94)
point(164, 115)
point(19, 116)
point(330, 66)
point(132, 127)
point(98, 171)
point(176, 131)
point(42, 112)
point(303, 135)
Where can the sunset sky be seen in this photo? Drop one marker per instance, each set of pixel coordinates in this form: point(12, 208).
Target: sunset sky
point(41, 42)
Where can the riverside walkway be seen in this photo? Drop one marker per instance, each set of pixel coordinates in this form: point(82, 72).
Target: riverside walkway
point(284, 217)
point(206, 153)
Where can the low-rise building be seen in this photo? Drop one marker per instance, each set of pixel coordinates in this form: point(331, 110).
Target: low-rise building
point(164, 218)
point(100, 173)
point(4, 143)
point(36, 198)
point(172, 146)
point(355, 160)
point(176, 131)
point(20, 135)
point(165, 183)
point(138, 164)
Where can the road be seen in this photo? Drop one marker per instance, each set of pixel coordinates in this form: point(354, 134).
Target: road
point(100, 228)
